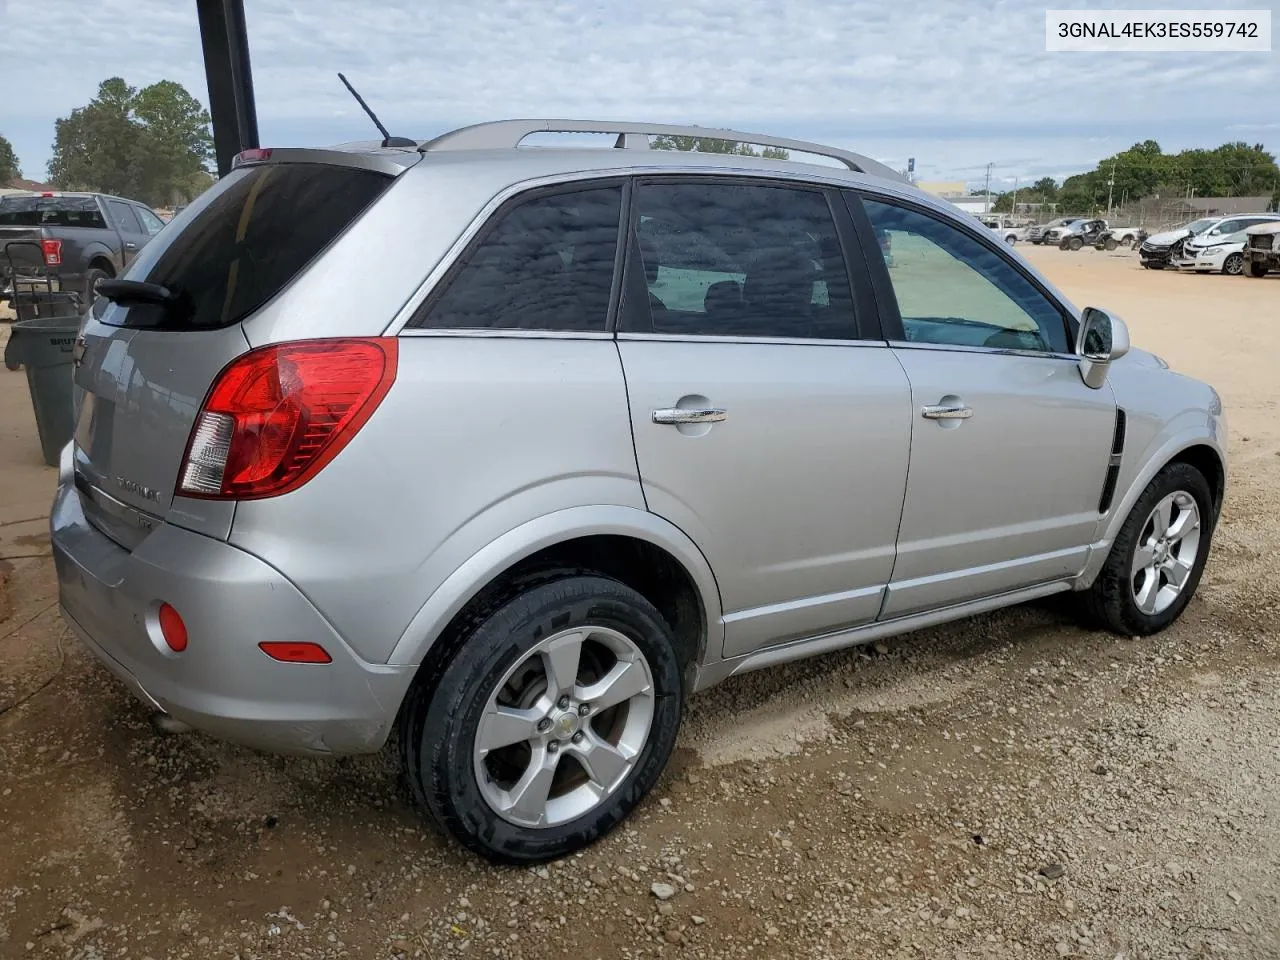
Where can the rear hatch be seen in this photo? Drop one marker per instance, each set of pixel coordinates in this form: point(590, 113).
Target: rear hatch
point(146, 368)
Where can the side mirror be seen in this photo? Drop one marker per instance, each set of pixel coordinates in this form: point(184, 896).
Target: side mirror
point(1102, 339)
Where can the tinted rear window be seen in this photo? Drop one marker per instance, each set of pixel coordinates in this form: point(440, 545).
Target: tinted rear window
point(256, 230)
point(50, 212)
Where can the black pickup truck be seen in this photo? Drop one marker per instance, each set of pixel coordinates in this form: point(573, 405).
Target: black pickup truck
point(72, 240)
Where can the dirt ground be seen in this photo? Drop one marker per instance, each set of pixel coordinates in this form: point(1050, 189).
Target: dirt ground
point(1009, 786)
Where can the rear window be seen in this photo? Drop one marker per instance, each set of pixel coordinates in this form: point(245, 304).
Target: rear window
point(50, 212)
point(255, 230)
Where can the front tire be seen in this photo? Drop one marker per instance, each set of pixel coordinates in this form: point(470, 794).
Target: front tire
point(1110, 244)
point(1257, 270)
point(551, 722)
point(1075, 243)
point(1157, 559)
point(92, 277)
point(1233, 266)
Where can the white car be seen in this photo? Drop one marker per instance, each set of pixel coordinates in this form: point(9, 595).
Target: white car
point(1220, 249)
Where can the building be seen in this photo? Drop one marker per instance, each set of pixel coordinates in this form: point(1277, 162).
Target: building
point(956, 192)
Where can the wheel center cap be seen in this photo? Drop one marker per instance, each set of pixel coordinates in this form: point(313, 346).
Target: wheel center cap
point(566, 725)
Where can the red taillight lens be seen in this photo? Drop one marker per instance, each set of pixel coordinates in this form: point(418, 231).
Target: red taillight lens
point(278, 414)
point(51, 252)
point(295, 652)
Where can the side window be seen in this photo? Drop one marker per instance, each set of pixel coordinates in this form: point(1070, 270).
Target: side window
point(151, 224)
point(122, 214)
point(547, 264)
point(1227, 227)
point(954, 291)
point(740, 260)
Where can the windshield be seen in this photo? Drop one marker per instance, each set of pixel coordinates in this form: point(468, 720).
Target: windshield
point(1199, 226)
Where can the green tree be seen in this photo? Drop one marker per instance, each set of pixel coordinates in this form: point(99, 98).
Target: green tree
point(151, 144)
point(1045, 187)
point(712, 145)
point(9, 167)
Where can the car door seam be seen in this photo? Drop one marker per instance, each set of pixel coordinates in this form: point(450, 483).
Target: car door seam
point(906, 480)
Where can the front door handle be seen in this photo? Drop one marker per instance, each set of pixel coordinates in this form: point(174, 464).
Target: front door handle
point(130, 245)
point(946, 411)
point(690, 415)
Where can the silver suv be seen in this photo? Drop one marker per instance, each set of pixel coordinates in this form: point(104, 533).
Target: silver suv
point(510, 449)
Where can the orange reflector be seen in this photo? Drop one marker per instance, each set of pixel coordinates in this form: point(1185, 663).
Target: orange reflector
point(172, 628)
point(287, 651)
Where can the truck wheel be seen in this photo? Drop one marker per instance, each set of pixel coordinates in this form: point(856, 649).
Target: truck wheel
point(1234, 265)
point(91, 278)
point(1075, 243)
point(554, 717)
point(1110, 243)
point(1257, 270)
point(1126, 241)
point(1011, 239)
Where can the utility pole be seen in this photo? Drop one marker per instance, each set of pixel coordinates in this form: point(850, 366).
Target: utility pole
point(987, 204)
point(1111, 183)
point(1013, 208)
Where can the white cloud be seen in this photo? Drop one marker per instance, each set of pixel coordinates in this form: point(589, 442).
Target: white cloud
point(955, 84)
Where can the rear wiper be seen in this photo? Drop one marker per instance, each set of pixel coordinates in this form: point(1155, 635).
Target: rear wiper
point(129, 293)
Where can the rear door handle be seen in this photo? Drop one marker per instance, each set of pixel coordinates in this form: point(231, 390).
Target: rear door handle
point(946, 411)
point(690, 415)
point(130, 245)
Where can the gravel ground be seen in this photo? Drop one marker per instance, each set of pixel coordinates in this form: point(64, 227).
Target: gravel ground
point(1009, 786)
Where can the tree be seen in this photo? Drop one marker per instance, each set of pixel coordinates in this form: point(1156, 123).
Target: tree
point(712, 145)
point(9, 167)
point(151, 144)
point(1045, 187)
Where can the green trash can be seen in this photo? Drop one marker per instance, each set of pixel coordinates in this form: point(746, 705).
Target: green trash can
point(44, 346)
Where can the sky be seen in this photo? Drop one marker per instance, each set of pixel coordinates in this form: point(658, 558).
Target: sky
point(956, 84)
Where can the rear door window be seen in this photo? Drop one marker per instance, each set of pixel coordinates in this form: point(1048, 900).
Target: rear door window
point(124, 216)
point(255, 231)
point(51, 212)
point(150, 222)
point(546, 264)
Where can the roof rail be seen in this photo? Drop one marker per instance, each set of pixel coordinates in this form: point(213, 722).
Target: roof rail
point(507, 134)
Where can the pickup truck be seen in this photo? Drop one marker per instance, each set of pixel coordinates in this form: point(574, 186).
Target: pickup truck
point(1118, 237)
point(73, 239)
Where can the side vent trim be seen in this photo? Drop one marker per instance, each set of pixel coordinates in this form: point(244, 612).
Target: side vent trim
point(1113, 463)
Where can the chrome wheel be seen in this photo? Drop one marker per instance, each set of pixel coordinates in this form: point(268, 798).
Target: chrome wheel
point(564, 727)
point(1166, 552)
point(1234, 265)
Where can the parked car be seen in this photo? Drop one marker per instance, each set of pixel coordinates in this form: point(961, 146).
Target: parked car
point(1159, 250)
point(1220, 249)
point(1076, 234)
point(1036, 234)
point(1114, 237)
point(76, 238)
point(1262, 249)
point(587, 436)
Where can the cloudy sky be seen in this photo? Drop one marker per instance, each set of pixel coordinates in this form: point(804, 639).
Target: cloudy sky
point(954, 83)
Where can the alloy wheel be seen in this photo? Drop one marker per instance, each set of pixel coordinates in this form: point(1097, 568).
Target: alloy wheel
point(565, 727)
point(1166, 552)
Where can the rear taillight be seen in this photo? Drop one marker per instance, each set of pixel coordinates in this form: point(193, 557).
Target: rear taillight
point(278, 414)
point(51, 252)
point(252, 155)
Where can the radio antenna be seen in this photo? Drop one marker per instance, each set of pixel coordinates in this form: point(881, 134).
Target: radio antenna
point(387, 139)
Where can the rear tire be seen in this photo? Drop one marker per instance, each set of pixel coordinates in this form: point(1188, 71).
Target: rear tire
point(1126, 242)
point(1110, 243)
point(1075, 243)
point(91, 278)
point(1163, 543)
point(477, 747)
point(1011, 240)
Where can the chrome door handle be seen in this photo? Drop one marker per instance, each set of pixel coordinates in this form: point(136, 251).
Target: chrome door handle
point(945, 411)
point(690, 415)
point(130, 245)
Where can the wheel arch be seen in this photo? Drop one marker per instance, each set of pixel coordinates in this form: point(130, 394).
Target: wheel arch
point(636, 547)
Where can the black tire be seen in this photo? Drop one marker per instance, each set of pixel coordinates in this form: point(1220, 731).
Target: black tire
point(1233, 266)
point(1075, 243)
point(1257, 270)
point(1110, 243)
point(1126, 242)
point(1109, 603)
point(1011, 240)
point(91, 278)
point(440, 720)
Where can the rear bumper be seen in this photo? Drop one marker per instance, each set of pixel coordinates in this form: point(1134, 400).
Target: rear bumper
point(230, 601)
